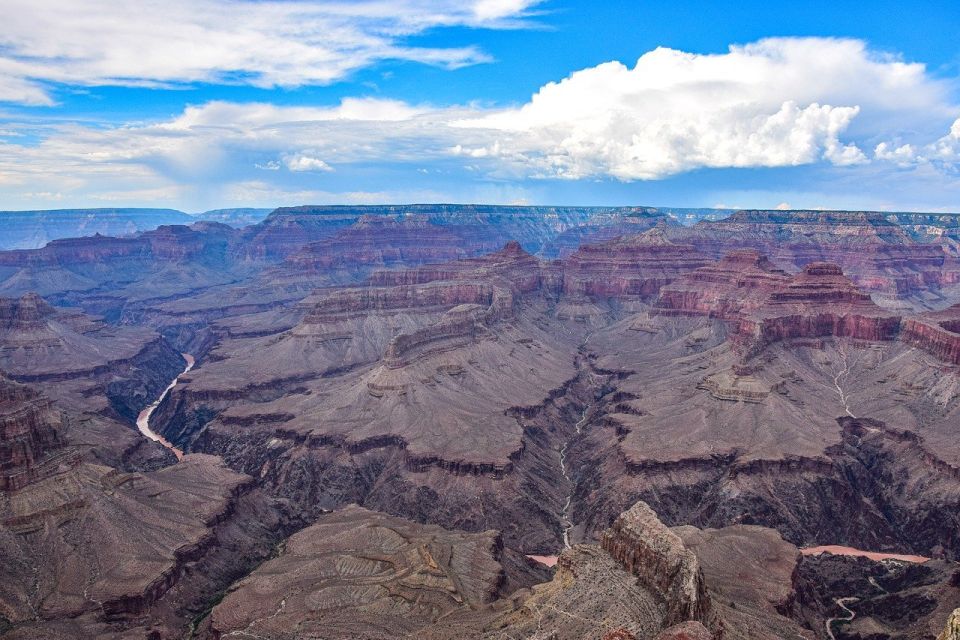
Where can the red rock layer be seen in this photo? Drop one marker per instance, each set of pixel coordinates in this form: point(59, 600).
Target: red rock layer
point(379, 241)
point(511, 266)
point(936, 333)
point(631, 266)
point(471, 293)
point(287, 229)
point(742, 280)
point(488, 280)
point(876, 253)
point(177, 243)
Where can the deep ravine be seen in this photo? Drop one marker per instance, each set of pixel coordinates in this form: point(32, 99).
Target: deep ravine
point(143, 420)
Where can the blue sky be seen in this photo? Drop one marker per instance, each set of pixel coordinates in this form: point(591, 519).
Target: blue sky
point(217, 103)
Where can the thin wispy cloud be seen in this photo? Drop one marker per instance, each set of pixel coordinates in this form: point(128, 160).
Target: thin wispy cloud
point(261, 43)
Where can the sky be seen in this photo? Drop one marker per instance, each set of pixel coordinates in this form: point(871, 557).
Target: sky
point(202, 104)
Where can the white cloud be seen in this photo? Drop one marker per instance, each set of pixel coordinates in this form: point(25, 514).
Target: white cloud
point(777, 102)
point(264, 43)
point(302, 162)
point(944, 152)
point(903, 155)
point(947, 148)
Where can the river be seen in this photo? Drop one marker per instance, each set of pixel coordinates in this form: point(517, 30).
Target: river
point(850, 551)
point(143, 420)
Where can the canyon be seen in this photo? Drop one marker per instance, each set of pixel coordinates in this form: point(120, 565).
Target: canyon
point(470, 421)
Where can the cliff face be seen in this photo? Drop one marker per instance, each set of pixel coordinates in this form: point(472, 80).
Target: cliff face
point(91, 250)
point(765, 305)
point(659, 559)
point(30, 429)
point(936, 333)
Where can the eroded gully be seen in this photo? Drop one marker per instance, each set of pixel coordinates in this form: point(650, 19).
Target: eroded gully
point(565, 518)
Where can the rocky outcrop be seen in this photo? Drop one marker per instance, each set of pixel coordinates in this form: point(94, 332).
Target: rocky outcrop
point(657, 556)
point(952, 629)
point(740, 282)
point(635, 266)
point(764, 305)
point(23, 314)
point(818, 302)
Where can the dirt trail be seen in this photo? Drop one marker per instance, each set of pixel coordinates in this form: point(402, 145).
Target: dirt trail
point(850, 615)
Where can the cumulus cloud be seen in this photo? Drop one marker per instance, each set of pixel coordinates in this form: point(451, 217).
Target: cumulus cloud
point(776, 102)
point(264, 43)
point(947, 148)
point(943, 153)
point(303, 162)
